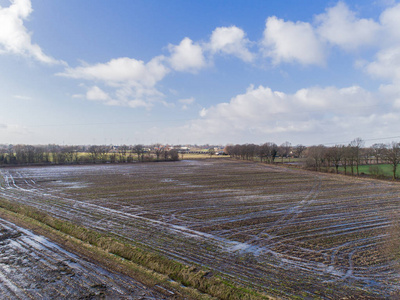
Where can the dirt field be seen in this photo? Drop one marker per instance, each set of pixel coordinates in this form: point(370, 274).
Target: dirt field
point(284, 232)
point(32, 267)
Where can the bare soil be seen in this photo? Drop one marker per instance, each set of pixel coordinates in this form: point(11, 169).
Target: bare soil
point(32, 267)
point(280, 231)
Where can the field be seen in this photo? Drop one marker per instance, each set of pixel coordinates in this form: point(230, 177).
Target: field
point(32, 267)
point(383, 170)
point(286, 233)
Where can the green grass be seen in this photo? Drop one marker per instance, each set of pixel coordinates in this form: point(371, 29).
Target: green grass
point(381, 170)
point(204, 155)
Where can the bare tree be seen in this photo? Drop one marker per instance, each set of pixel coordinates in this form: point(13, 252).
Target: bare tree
point(229, 150)
point(94, 153)
point(299, 150)
point(158, 150)
point(285, 150)
point(344, 157)
point(139, 150)
point(356, 146)
point(54, 150)
point(271, 150)
point(173, 154)
point(316, 156)
point(335, 156)
point(262, 151)
point(378, 151)
point(103, 152)
point(70, 152)
point(3, 155)
point(392, 155)
point(249, 151)
point(39, 154)
point(20, 154)
point(122, 150)
point(12, 159)
point(211, 151)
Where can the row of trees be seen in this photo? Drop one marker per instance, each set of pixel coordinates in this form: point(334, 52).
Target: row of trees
point(56, 154)
point(348, 157)
point(267, 152)
point(321, 157)
point(351, 156)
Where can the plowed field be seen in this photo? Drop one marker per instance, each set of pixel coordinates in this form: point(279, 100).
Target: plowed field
point(32, 267)
point(284, 232)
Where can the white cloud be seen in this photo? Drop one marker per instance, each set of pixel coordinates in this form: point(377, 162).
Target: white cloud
point(309, 112)
point(292, 42)
point(121, 71)
point(340, 26)
point(95, 93)
point(22, 97)
point(386, 65)
point(132, 81)
point(14, 37)
point(187, 56)
point(186, 102)
point(230, 40)
point(390, 20)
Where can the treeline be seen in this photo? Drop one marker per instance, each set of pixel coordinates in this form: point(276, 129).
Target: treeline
point(56, 154)
point(267, 152)
point(322, 158)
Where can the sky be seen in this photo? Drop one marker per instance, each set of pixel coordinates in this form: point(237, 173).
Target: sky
point(199, 72)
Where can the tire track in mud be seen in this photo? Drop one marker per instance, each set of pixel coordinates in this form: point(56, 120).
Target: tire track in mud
point(287, 219)
point(285, 252)
point(203, 257)
point(292, 212)
point(248, 274)
point(80, 209)
point(31, 267)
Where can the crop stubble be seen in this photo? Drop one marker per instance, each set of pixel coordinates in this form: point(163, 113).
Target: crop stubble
point(285, 232)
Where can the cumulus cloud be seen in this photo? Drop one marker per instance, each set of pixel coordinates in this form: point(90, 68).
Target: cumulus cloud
point(187, 56)
point(230, 40)
point(286, 41)
point(341, 27)
point(307, 43)
point(122, 71)
point(390, 21)
point(133, 81)
point(386, 65)
point(96, 93)
point(260, 111)
point(14, 37)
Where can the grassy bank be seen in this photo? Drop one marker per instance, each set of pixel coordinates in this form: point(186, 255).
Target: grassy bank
point(189, 281)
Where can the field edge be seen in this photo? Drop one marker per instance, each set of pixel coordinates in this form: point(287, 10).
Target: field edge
point(174, 279)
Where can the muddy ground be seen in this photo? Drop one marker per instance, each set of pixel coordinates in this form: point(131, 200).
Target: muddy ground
point(284, 232)
point(32, 267)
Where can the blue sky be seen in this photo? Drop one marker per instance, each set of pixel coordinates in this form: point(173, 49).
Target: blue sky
point(180, 72)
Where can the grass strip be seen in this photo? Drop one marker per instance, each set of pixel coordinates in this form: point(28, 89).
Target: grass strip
point(189, 276)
